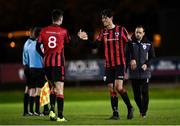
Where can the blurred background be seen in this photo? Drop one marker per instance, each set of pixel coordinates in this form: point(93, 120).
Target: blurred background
point(160, 18)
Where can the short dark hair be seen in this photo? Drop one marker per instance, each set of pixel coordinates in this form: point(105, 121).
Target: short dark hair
point(56, 14)
point(35, 31)
point(107, 13)
point(141, 26)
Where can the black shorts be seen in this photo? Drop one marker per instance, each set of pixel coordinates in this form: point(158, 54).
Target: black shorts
point(27, 75)
point(115, 73)
point(37, 77)
point(55, 74)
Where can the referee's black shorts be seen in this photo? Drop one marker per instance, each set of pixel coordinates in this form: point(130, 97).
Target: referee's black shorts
point(55, 74)
point(114, 73)
point(27, 75)
point(37, 77)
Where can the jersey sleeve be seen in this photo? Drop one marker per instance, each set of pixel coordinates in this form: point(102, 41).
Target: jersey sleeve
point(67, 37)
point(39, 46)
point(100, 36)
point(25, 56)
point(124, 34)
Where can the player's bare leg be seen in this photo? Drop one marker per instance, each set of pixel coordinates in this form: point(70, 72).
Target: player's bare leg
point(122, 91)
point(60, 100)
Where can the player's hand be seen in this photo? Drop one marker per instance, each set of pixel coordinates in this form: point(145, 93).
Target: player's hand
point(133, 64)
point(126, 77)
point(144, 67)
point(129, 37)
point(82, 35)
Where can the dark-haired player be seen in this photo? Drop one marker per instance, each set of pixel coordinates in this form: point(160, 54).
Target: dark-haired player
point(113, 38)
point(53, 38)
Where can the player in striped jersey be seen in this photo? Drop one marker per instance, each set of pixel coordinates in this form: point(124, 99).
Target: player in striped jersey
point(113, 38)
point(53, 38)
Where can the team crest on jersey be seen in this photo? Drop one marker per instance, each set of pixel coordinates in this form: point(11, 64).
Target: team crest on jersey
point(144, 46)
point(116, 33)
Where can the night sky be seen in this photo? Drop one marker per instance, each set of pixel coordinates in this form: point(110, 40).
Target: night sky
point(157, 16)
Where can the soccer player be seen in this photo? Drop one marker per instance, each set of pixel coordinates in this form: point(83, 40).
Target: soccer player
point(53, 38)
point(140, 59)
point(113, 38)
point(34, 73)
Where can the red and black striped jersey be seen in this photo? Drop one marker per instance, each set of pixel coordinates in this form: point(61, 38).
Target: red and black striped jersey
point(114, 41)
point(53, 38)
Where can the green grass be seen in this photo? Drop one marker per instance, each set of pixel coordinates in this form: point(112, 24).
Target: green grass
point(91, 105)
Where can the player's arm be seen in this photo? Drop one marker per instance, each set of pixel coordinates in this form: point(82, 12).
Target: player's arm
point(151, 55)
point(125, 35)
point(38, 45)
point(39, 50)
point(128, 56)
point(83, 38)
point(25, 59)
point(71, 40)
point(127, 40)
point(25, 56)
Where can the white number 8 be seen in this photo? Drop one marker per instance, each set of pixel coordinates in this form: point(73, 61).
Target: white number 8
point(52, 42)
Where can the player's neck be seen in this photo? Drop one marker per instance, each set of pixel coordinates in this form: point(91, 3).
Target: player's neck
point(111, 26)
point(56, 23)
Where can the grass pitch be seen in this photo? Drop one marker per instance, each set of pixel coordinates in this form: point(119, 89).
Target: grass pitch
point(91, 106)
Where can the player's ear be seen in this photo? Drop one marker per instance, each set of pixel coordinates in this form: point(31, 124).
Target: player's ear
point(61, 18)
point(143, 33)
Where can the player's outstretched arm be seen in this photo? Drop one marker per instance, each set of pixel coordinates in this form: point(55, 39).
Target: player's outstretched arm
point(82, 35)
